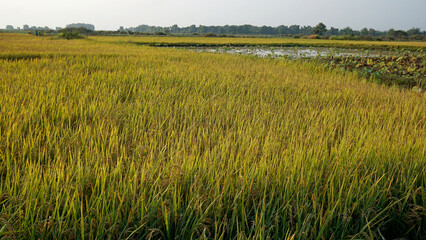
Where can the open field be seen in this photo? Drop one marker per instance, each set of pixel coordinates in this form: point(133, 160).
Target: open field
point(120, 141)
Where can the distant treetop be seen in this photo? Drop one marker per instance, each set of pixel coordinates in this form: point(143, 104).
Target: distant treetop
point(81, 25)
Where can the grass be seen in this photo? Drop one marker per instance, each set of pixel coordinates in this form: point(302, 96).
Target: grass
point(99, 140)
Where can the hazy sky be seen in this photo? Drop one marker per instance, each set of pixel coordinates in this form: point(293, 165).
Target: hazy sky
point(111, 14)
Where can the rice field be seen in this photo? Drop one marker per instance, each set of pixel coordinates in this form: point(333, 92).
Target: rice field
point(247, 41)
point(100, 140)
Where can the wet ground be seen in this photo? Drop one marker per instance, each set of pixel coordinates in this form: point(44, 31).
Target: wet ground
point(294, 52)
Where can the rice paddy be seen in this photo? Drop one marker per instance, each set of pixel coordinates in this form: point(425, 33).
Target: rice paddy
point(246, 41)
point(101, 138)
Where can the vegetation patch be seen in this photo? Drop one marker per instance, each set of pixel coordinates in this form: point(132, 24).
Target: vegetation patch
point(70, 34)
point(406, 70)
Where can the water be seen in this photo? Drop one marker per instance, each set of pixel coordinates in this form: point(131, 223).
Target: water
point(293, 52)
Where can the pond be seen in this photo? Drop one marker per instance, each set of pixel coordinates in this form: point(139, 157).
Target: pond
point(295, 52)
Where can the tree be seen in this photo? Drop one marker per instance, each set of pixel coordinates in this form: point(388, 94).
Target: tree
point(294, 29)
point(174, 28)
point(232, 29)
point(9, 27)
point(79, 30)
point(81, 25)
point(26, 27)
point(364, 32)
point(332, 31)
point(266, 30)
point(282, 29)
point(347, 31)
point(391, 32)
point(414, 31)
point(399, 34)
point(306, 30)
point(192, 28)
point(320, 29)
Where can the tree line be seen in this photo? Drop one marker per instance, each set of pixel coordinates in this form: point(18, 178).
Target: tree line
point(247, 29)
point(318, 31)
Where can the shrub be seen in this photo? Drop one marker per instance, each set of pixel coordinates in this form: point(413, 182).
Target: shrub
point(211, 35)
point(70, 35)
point(366, 38)
point(345, 37)
point(417, 37)
point(314, 36)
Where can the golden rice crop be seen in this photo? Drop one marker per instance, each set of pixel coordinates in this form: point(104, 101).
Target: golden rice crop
point(258, 41)
point(104, 140)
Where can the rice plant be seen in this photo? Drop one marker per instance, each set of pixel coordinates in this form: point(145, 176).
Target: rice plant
point(100, 140)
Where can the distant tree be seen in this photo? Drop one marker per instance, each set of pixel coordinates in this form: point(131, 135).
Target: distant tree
point(266, 30)
point(121, 29)
point(247, 29)
point(320, 29)
point(413, 31)
point(81, 25)
point(283, 30)
point(232, 29)
point(332, 31)
point(364, 32)
point(214, 29)
point(79, 30)
point(202, 29)
point(9, 27)
point(26, 27)
point(192, 28)
point(399, 34)
point(391, 32)
point(294, 29)
point(306, 30)
point(174, 28)
point(347, 31)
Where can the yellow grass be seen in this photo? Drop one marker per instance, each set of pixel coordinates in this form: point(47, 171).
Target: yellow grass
point(260, 41)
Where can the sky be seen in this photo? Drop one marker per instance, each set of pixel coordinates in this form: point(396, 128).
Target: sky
point(111, 14)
